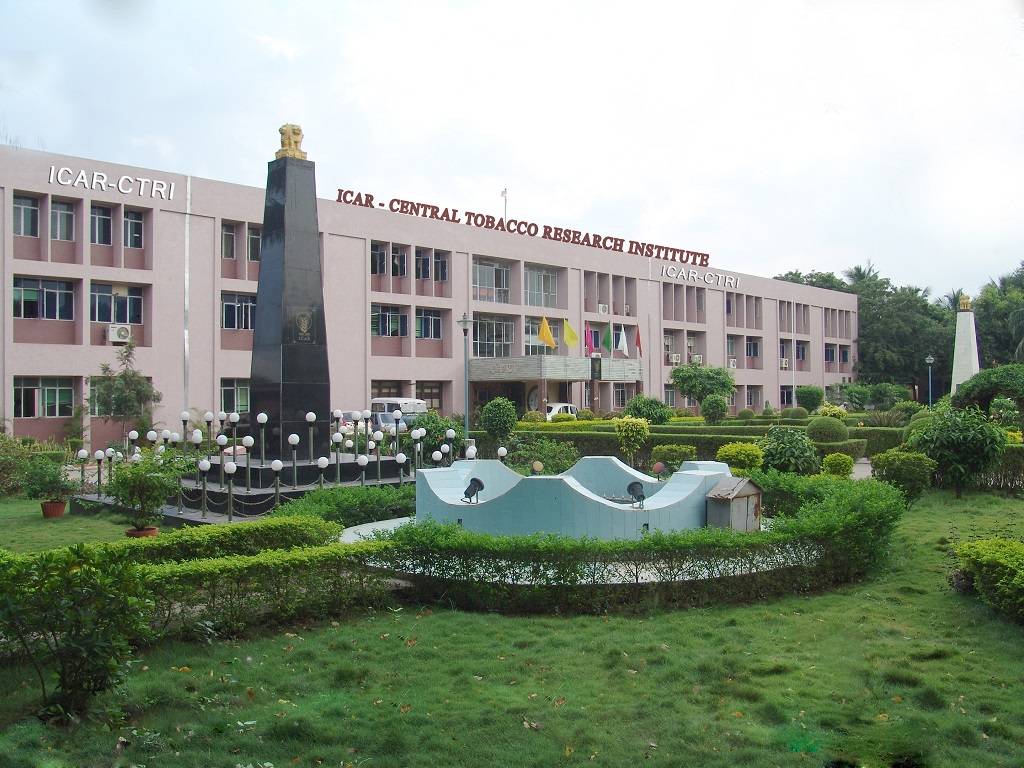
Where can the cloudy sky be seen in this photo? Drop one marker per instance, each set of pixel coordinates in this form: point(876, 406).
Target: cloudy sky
point(775, 136)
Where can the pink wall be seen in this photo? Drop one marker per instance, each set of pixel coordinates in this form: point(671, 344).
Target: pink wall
point(28, 248)
point(44, 331)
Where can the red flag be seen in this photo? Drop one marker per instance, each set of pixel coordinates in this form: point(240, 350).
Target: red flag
point(589, 339)
point(638, 345)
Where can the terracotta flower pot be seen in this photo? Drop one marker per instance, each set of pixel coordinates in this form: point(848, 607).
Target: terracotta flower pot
point(135, 533)
point(53, 509)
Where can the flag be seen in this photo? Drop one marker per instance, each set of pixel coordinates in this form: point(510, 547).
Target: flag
point(606, 342)
point(622, 347)
point(544, 334)
point(639, 346)
point(569, 335)
point(589, 339)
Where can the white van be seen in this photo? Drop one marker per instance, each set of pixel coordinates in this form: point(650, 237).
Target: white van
point(381, 409)
point(555, 408)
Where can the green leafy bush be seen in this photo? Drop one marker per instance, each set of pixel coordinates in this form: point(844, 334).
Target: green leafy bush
point(914, 426)
point(789, 450)
point(995, 568)
point(838, 464)
point(794, 413)
point(436, 426)
point(562, 417)
point(853, 448)
point(884, 396)
point(74, 613)
point(632, 434)
point(672, 456)
point(767, 411)
point(498, 418)
point(924, 413)
point(891, 418)
point(649, 408)
point(835, 411)
point(697, 381)
point(784, 492)
point(963, 444)
point(809, 397)
point(826, 429)
point(1008, 474)
point(879, 438)
point(141, 487)
point(353, 505)
point(714, 408)
point(556, 456)
point(1004, 412)
point(45, 480)
point(907, 407)
point(534, 416)
point(585, 414)
point(909, 471)
point(13, 458)
point(745, 414)
point(742, 456)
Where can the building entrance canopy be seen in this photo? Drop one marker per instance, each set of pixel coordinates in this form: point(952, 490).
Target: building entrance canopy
point(553, 368)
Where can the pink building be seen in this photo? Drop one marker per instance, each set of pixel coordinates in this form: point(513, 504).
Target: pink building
point(94, 253)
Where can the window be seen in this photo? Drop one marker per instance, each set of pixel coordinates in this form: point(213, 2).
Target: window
point(227, 240)
point(801, 350)
point(234, 395)
point(43, 299)
point(493, 336)
point(428, 324)
point(49, 397)
point(730, 346)
point(844, 354)
point(786, 396)
point(535, 346)
point(399, 268)
point(595, 339)
point(588, 395)
point(26, 216)
point(430, 392)
point(732, 397)
point(441, 266)
point(753, 348)
point(62, 221)
point(255, 238)
point(101, 225)
point(830, 354)
point(238, 311)
point(750, 397)
point(115, 304)
point(378, 258)
point(670, 396)
point(25, 388)
point(700, 299)
point(387, 320)
point(619, 395)
point(133, 229)
point(541, 289)
point(422, 264)
point(728, 303)
point(385, 389)
point(490, 282)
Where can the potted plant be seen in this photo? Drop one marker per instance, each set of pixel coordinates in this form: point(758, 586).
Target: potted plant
point(46, 481)
point(142, 485)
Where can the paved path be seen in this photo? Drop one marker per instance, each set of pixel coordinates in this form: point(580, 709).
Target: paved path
point(360, 532)
point(861, 469)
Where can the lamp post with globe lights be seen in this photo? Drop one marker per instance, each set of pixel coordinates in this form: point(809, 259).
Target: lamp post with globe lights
point(208, 418)
point(277, 465)
point(356, 416)
point(362, 461)
point(930, 361)
point(366, 426)
point(378, 437)
point(261, 419)
point(449, 435)
point(133, 438)
point(464, 323)
point(321, 464)
point(233, 420)
point(247, 443)
point(336, 439)
point(338, 415)
point(184, 416)
point(311, 420)
point(397, 416)
point(99, 472)
point(230, 467)
point(83, 457)
point(222, 440)
point(437, 456)
point(293, 441)
point(400, 461)
point(152, 436)
point(502, 453)
point(204, 468)
point(165, 435)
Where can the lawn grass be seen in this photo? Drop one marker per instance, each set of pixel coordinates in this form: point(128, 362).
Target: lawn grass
point(23, 529)
point(894, 668)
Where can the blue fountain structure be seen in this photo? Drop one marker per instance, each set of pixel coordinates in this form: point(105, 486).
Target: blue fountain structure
point(590, 499)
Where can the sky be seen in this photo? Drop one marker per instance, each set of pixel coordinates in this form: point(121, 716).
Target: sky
point(773, 136)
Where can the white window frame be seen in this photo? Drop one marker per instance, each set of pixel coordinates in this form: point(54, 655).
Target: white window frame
point(26, 216)
point(533, 345)
point(134, 229)
point(101, 225)
point(242, 306)
point(540, 287)
point(491, 281)
point(428, 323)
point(493, 336)
point(62, 221)
point(121, 308)
point(235, 387)
point(253, 235)
point(51, 297)
point(227, 240)
point(388, 320)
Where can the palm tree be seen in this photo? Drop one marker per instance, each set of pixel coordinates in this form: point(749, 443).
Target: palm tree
point(861, 274)
point(951, 300)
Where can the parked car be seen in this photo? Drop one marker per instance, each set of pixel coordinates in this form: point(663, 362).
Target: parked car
point(556, 408)
point(381, 409)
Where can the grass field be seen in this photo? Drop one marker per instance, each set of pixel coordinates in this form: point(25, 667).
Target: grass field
point(23, 529)
point(897, 668)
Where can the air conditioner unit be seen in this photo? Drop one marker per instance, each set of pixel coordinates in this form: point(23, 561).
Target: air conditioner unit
point(783, 363)
point(602, 309)
point(675, 358)
point(119, 334)
point(595, 354)
point(698, 359)
point(732, 362)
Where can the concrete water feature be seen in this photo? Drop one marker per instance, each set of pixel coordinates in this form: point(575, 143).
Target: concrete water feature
point(590, 499)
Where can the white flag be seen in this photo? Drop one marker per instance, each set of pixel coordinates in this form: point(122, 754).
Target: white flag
point(622, 341)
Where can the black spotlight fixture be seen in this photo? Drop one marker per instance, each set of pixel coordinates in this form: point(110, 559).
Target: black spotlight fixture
point(636, 490)
point(473, 491)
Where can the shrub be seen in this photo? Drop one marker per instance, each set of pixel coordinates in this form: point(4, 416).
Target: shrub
point(436, 426)
point(855, 449)
point(879, 438)
point(714, 408)
point(142, 487)
point(835, 411)
point(784, 493)
point(838, 464)
point(1004, 411)
point(650, 408)
point(794, 413)
point(742, 456)
point(632, 434)
point(789, 450)
point(498, 418)
point(562, 417)
point(556, 456)
point(891, 418)
point(809, 397)
point(533, 416)
point(672, 456)
point(1008, 474)
point(962, 443)
point(45, 480)
point(74, 612)
point(826, 429)
point(909, 471)
point(768, 411)
point(13, 456)
point(995, 568)
point(585, 414)
point(884, 396)
point(915, 425)
point(1013, 437)
point(924, 413)
point(907, 407)
point(746, 414)
point(353, 505)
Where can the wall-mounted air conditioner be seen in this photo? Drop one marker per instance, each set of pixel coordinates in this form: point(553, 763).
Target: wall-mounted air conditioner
point(119, 334)
point(732, 362)
point(698, 359)
point(783, 363)
point(675, 358)
point(602, 309)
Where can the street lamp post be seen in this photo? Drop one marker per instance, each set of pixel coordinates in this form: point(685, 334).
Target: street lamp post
point(311, 420)
point(464, 322)
point(247, 442)
point(293, 441)
point(336, 438)
point(204, 467)
point(230, 468)
point(261, 419)
point(930, 360)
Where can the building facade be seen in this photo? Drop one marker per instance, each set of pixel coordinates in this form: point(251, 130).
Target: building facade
point(96, 253)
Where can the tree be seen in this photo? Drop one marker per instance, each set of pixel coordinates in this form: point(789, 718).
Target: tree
point(963, 444)
point(714, 409)
point(788, 449)
point(809, 397)
point(698, 381)
point(126, 395)
point(999, 311)
point(144, 484)
point(632, 435)
point(650, 408)
point(829, 280)
point(498, 418)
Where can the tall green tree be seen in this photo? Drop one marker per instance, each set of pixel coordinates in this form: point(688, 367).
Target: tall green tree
point(999, 316)
point(124, 395)
point(698, 381)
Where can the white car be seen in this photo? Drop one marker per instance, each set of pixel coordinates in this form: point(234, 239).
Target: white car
point(556, 408)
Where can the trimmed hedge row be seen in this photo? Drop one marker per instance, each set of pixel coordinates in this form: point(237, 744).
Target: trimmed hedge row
point(354, 505)
point(995, 569)
point(853, 448)
point(1008, 474)
point(879, 438)
point(830, 540)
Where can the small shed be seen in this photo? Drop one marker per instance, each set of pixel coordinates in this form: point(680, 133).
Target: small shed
point(735, 503)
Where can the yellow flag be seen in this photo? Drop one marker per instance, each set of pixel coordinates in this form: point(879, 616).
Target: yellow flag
point(569, 335)
point(544, 334)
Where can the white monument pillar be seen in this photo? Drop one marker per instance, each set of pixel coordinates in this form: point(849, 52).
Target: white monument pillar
point(965, 345)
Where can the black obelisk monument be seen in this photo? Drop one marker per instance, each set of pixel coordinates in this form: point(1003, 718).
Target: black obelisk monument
point(289, 354)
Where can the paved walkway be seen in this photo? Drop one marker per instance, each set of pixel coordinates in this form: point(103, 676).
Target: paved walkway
point(364, 531)
point(861, 469)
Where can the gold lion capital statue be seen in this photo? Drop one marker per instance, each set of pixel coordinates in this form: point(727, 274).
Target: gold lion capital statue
point(291, 142)
point(965, 303)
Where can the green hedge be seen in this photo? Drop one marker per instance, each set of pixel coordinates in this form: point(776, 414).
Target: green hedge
point(853, 448)
point(205, 541)
point(995, 568)
point(1009, 472)
point(879, 438)
point(228, 594)
point(354, 505)
point(830, 540)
